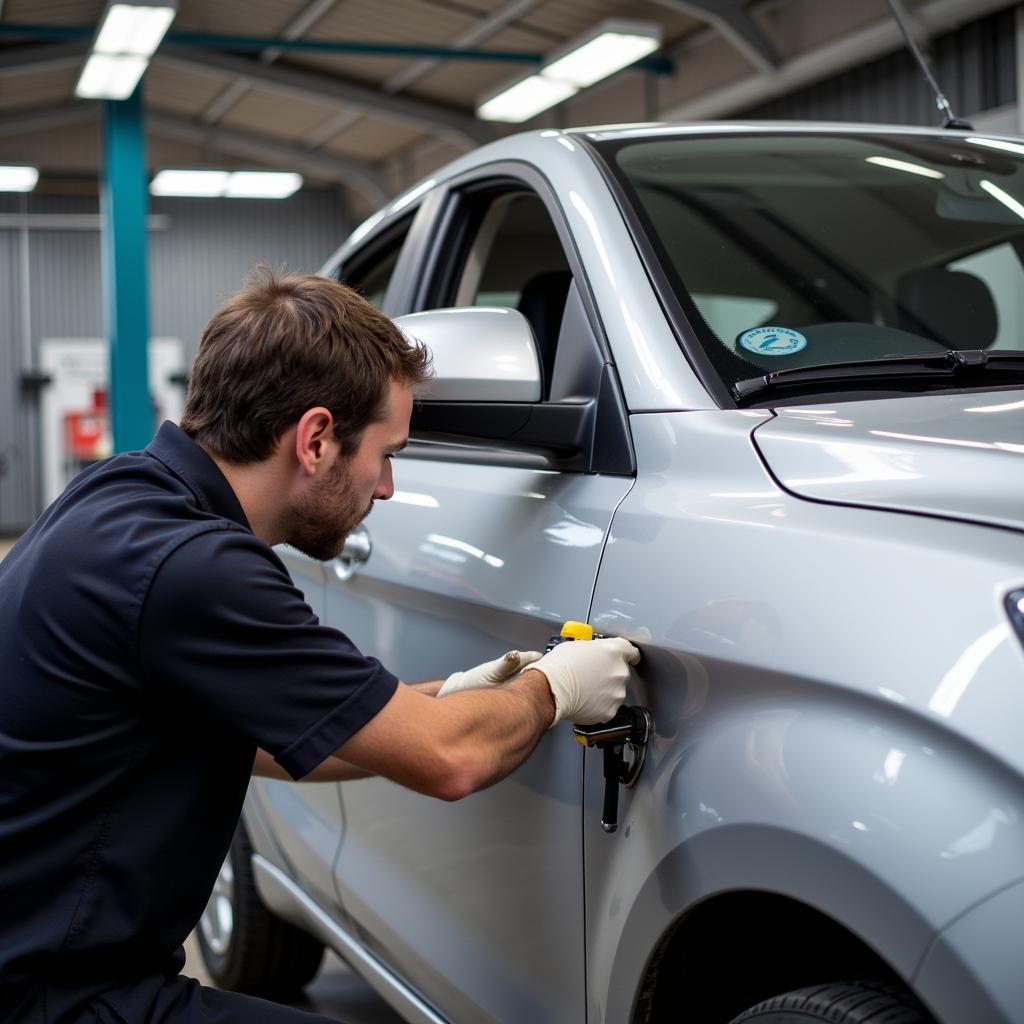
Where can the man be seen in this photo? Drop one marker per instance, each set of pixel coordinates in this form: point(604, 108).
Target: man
point(154, 650)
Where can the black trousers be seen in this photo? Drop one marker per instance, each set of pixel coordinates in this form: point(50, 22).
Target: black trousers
point(181, 1000)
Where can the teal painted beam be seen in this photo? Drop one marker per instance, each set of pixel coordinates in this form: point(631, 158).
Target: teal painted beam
point(123, 203)
point(658, 64)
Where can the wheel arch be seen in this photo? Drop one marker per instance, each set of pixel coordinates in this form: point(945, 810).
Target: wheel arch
point(783, 943)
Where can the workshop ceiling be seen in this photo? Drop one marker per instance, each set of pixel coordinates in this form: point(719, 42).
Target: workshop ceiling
point(301, 109)
point(375, 123)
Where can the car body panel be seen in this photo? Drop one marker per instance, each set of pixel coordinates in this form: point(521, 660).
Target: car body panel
point(801, 741)
point(469, 561)
point(972, 969)
point(959, 455)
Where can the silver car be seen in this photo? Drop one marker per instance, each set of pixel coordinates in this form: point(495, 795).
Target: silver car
point(750, 395)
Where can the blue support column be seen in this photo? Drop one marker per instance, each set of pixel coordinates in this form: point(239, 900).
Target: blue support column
point(123, 203)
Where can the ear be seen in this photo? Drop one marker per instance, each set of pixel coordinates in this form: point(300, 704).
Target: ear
point(314, 440)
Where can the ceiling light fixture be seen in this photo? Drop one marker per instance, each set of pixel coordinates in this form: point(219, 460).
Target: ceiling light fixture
point(609, 47)
point(210, 184)
point(128, 36)
point(18, 179)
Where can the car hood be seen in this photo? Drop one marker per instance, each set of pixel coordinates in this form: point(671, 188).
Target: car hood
point(956, 456)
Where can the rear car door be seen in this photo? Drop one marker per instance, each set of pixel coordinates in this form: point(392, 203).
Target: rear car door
point(487, 545)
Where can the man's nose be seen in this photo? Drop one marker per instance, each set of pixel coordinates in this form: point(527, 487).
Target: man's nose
point(386, 484)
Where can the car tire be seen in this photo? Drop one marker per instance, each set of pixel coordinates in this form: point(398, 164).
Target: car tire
point(244, 946)
point(855, 1002)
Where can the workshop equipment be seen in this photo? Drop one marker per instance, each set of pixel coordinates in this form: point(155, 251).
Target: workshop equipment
point(631, 727)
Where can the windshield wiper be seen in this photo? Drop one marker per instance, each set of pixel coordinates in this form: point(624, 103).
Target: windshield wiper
point(956, 363)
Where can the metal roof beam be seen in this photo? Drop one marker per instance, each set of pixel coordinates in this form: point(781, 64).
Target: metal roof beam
point(461, 129)
point(360, 177)
point(15, 60)
point(306, 18)
point(478, 33)
point(732, 20)
point(40, 119)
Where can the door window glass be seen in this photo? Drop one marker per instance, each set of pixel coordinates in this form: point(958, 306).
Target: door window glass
point(369, 271)
point(514, 258)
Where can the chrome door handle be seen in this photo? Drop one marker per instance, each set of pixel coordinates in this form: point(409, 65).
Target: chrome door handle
point(358, 548)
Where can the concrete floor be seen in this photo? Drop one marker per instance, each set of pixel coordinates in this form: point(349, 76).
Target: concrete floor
point(335, 992)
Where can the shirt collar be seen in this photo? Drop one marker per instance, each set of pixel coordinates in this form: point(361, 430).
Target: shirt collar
point(183, 457)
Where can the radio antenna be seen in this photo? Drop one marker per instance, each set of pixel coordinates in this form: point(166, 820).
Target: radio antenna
point(949, 119)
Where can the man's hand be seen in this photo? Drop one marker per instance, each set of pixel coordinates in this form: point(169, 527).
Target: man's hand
point(588, 678)
point(490, 673)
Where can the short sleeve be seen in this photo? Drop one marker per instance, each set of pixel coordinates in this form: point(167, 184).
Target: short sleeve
point(224, 627)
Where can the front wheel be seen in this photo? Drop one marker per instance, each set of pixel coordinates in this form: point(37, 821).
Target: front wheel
point(244, 946)
point(854, 1002)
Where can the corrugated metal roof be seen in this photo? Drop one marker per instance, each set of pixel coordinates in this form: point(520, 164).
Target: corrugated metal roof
point(372, 139)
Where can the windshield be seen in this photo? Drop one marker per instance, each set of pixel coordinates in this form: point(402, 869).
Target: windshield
point(795, 250)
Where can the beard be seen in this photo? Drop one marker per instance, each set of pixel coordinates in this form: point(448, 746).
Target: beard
point(327, 515)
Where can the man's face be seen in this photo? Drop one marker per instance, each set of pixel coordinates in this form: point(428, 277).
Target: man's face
point(338, 501)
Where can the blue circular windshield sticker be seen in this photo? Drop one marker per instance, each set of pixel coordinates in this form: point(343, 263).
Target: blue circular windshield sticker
point(773, 341)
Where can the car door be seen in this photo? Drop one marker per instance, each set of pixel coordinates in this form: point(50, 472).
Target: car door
point(306, 819)
point(485, 546)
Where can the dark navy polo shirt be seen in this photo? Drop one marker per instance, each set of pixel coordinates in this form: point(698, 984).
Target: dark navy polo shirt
point(149, 643)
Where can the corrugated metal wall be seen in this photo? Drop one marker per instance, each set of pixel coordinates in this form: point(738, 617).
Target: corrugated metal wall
point(975, 65)
point(203, 253)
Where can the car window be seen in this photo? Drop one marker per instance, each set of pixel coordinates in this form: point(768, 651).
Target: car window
point(824, 249)
point(1000, 268)
point(511, 255)
point(369, 270)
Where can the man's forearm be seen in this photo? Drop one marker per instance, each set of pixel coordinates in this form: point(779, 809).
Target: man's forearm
point(518, 715)
point(451, 747)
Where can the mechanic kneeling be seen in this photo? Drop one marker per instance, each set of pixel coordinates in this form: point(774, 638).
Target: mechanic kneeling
point(155, 653)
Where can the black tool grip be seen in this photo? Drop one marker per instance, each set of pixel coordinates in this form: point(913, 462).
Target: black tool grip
point(612, 773)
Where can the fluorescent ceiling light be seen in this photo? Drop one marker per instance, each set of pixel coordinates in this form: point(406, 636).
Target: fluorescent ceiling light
point(132, 30)
point(903, 165)
point(1009, 147)
point(611, 51)
point(262, 184)
point(226, 184)
point(609, 47)
point(128, 35)
point(18, 179)
point(189, 183)
point(1004, 197)
point(525, 99)
point(110, 78)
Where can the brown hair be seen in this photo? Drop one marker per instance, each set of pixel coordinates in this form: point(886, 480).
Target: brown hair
point(284, 344)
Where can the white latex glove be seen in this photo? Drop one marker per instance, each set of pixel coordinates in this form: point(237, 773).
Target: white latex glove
point(588, 678)
point(490, 673)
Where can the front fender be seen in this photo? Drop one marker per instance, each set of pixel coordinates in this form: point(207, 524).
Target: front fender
point(887, 825)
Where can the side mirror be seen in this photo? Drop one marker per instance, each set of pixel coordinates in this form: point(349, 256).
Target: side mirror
point(481, 354)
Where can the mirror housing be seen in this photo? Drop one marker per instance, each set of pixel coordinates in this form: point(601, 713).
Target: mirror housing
point(481, 354)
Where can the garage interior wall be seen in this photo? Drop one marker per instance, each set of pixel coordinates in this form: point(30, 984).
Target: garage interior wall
point(975, 65)
point(50, 287)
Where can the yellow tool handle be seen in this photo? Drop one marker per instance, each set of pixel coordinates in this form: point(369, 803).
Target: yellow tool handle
point(572, 630)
